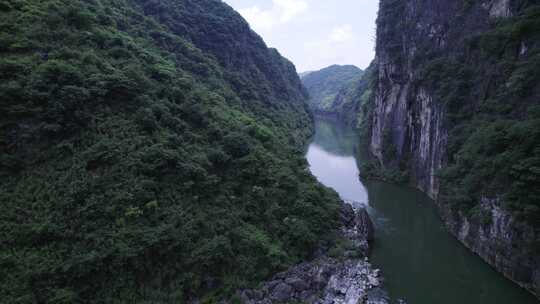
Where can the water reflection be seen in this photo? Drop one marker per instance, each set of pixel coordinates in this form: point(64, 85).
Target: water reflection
point(421, 261)
point(332, 161)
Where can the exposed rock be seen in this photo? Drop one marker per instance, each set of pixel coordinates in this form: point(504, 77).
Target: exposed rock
point(499, 8)
point(358, 228)
point(364, 225)
point(377, 296)
point(282, 292)
point(274, 283)
point(297, 283)
point(498, 240)
point(326, 279)
point(347, 215)
point(410, 123)
point(523, 49)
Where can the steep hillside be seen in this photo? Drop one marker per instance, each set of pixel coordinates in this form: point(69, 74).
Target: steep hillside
point(456, 111)
point(303, 74)
point(331, 89)
point(150, 151)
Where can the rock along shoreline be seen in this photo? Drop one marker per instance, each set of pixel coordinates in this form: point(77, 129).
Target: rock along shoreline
point(347, 279)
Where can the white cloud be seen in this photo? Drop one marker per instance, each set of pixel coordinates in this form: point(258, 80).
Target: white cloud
point(314, 33)
point(341, 33)
point(259, 19)
point(338, 46)
point(290, 9)
point(281, 12)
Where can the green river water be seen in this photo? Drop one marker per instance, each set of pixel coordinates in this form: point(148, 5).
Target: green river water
point(421, 261)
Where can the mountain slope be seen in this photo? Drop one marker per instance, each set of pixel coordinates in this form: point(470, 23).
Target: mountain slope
point(304, 74)
point(456, 110)
point(149, 151)
point(329, 88)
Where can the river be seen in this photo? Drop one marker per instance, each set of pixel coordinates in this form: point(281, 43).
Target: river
point(421, 262)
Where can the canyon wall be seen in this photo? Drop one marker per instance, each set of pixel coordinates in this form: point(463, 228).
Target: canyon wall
point(445, 69)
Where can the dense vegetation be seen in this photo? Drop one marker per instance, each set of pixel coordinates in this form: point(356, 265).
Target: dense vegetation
point(149, 151)
point(488, 82)
point(493, 110)
point(335, 89)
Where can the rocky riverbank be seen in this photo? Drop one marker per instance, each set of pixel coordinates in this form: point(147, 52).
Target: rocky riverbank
point(495, 239)
point(347, 278)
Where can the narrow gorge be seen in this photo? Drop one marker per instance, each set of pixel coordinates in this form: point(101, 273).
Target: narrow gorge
point(450, 106)
point(455, 113)
point(162, 151)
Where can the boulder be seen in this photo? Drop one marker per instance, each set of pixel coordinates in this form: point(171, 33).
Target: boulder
point(326, 279)
point(364, 224)
point(272, 284)
point(347, 215)
point(304, 296)
point(282, 292)
point(297, 283)
point(377, 296)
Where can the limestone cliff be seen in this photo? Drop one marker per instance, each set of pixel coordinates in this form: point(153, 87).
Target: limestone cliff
point(454, 78)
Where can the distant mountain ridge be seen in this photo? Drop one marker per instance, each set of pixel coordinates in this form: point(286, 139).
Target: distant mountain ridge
point(336, 90)
point(304, 74)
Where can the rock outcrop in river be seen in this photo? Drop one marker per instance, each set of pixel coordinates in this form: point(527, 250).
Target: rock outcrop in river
point(456, 110)
point(348, 278)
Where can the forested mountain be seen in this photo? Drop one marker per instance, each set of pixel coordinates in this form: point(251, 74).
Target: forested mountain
point(304, 74)
point(150, 151)
point(456, 112)
point(331, 89)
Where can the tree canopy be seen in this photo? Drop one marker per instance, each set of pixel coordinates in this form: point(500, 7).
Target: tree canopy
point(149, 151)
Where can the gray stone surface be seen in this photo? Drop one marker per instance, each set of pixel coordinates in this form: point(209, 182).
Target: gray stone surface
point(408, 118)
point(329, 280)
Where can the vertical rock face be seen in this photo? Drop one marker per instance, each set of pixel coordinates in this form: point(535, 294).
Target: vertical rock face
point(414, 128)
point(499, 240)
point(499, 8)
point(410, 125)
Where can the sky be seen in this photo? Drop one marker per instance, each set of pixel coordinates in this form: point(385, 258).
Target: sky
point(314, 34)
